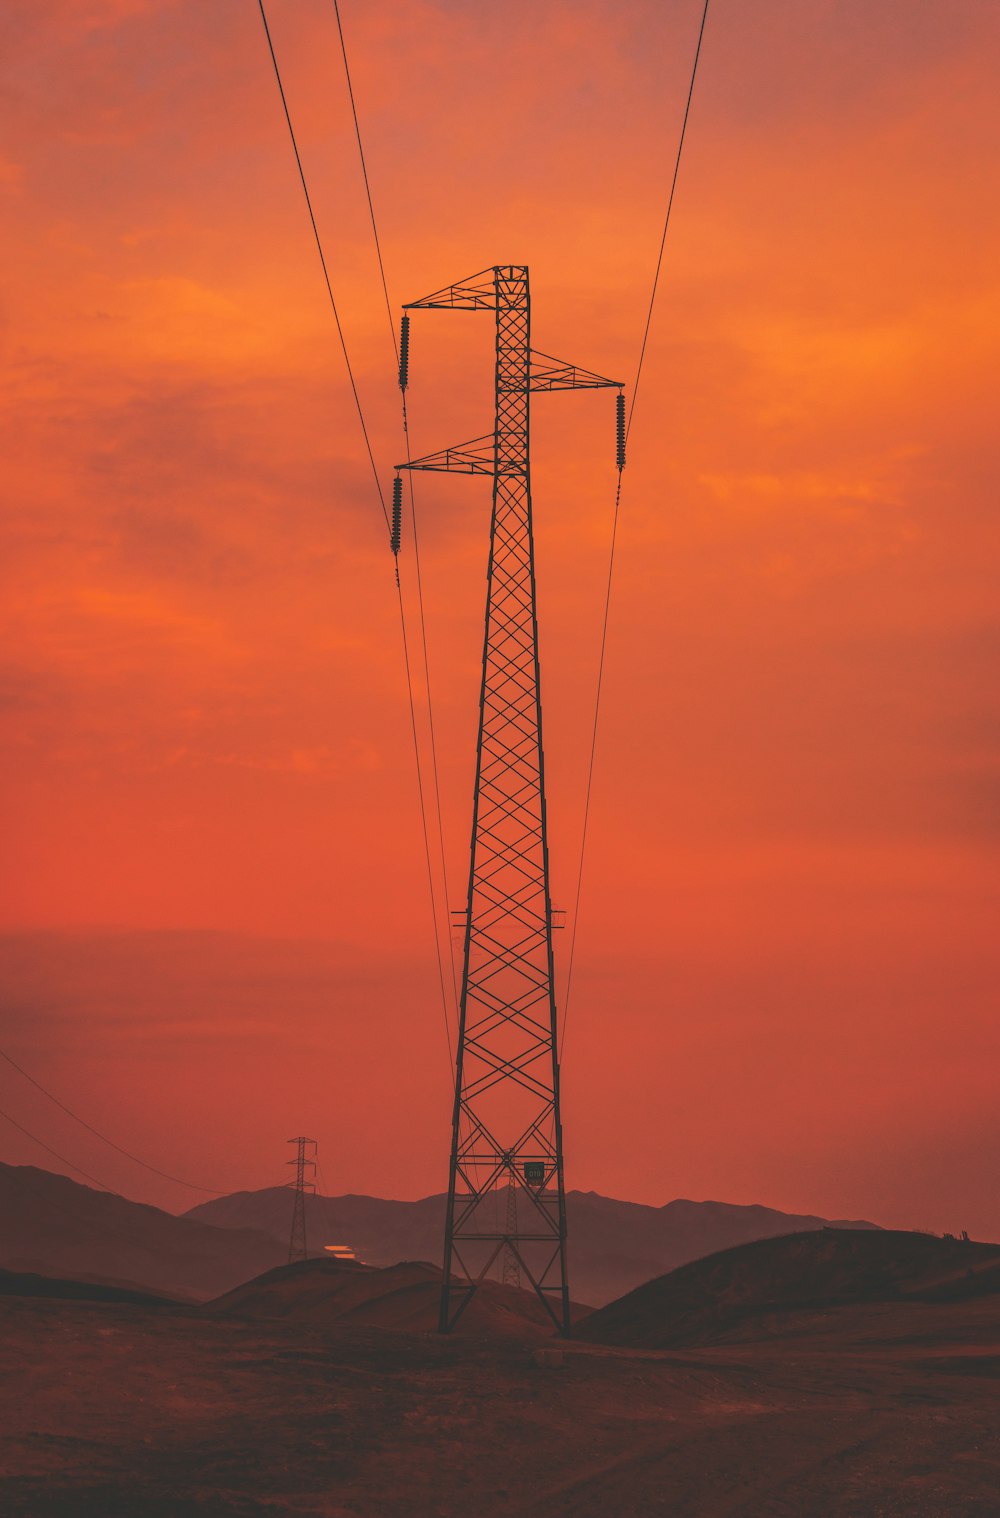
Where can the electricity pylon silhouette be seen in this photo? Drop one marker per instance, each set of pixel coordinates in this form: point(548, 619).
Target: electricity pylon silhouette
point(511, 1270)
point(297, 1244)
point(506, 1127)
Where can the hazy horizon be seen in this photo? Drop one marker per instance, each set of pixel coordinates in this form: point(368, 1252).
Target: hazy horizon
point(88, 1011)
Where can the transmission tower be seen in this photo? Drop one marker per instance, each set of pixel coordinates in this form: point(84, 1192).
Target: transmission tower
point(297, 1248)
point(506, 1130)
point(511, 1274)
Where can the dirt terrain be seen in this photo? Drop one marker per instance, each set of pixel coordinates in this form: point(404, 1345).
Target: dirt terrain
point(119, 1410)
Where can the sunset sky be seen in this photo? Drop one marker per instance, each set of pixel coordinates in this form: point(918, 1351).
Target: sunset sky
point(215, 924)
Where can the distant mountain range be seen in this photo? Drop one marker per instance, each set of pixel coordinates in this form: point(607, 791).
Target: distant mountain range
point(614, 1246)
point(53, 1226)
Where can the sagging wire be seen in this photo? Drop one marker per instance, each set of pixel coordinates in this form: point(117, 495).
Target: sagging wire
point(623, 428)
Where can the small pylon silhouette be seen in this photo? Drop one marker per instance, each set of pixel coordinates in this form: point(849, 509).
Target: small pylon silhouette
point(297, 1246)
point(511, 1265)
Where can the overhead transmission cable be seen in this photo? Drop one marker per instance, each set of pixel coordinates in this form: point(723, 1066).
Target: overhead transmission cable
point(426, 833)
point(378, 487)
point(614, 525)
point(14, 1174)
point(666, 220)
point(413, 520)
point(54, 1153)
point(364, 171)
point(322, 259)
point(154, 1169)
point(325, 1207)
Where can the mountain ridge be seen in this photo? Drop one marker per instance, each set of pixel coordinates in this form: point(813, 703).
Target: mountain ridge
point(615, 1245)
point(54, 1226)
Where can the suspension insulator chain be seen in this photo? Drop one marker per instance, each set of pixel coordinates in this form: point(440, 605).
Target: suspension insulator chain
point(396, 532)
point(404, 352)
point(620, 430)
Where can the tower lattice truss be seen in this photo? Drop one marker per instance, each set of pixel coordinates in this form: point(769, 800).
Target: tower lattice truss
point(506, 1195)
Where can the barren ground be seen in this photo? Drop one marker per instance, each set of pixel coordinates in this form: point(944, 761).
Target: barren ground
point(126, 1411)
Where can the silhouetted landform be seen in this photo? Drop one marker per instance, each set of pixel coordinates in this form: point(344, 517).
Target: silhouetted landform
point(746, 1292)
point(403, 1297)
point(16, 1283)
point(614, 1245)
point(53, 1226)
point(124, 1411)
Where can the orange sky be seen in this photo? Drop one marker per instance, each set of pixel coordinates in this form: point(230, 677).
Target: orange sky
point(214, 913)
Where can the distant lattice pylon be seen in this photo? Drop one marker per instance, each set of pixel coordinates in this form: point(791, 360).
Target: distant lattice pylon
point(511, 1264)
point(298, 1248)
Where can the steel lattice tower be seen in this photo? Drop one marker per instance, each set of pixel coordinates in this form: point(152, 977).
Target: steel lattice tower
point(297, 1246)
point(506, 1129)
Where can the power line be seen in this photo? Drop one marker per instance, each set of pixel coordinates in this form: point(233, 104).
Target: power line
point(322, 259)
point(614, 527)
point(435, 773)
point(324, 1203)
point(15, 1174)
point(423, 819)
point(163, 1174)
point(371, 457)
point(54, 1153)
point(571, 957)
point(364, 171)
point(421, 617)
point(666, 220)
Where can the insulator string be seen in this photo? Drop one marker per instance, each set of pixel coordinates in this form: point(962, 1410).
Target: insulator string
point(397, 516)
point(404, 351)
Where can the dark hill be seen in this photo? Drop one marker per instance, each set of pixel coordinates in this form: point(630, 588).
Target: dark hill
point(52, 1226)
point(402, 1297)
point(614, 1245)
point(25, 1284)
point(729, 1293)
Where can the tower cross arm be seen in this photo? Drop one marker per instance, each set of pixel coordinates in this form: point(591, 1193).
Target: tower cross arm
point(477, 293)
point(478, 456)
point(548, 373)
